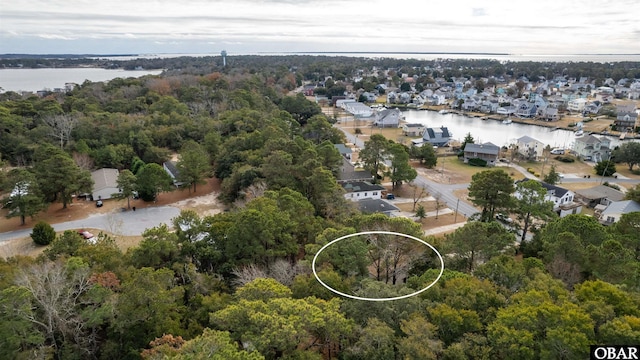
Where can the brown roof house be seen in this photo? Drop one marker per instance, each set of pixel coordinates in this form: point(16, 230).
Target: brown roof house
point(487, 152)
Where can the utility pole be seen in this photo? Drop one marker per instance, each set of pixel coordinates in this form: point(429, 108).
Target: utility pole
point(455, 219)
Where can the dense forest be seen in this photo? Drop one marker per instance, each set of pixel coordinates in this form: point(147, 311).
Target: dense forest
point(239, 284)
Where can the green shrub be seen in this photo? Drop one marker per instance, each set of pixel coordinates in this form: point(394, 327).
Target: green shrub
point(43, 233)
point(530, 170)
point(566, 159)
point(477, 162)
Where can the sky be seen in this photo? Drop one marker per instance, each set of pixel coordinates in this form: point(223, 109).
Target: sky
point(256, 26)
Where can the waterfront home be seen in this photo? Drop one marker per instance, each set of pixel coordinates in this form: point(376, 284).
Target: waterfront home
point(550, 114)
point(530, 148)
point(626, 117)
point(412, 129)
point(360, 190)
point(577, 105)
point(616, 209)
point(487, 152)
point(387, 118)
point(526, 110)
point(357, 109)
point(437, 136)
point(592, 148)
point(592, 107)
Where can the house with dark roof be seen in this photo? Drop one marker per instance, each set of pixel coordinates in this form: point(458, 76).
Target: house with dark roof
point(437, 136)
point(371, 206)
point(561, 198)
point(487, 152)
point(626, 117)
point(348, 173)
point(599, 195)
point(360, 190)
point(105, 183)
point(344, 150)
point(616, 209)
point(172, 170)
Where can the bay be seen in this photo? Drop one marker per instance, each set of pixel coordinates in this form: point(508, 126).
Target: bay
point(33, 80)
point(494, 131)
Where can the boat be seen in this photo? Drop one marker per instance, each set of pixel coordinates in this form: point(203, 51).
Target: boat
point(507, 121)
point(579, 132)
point(443, 111)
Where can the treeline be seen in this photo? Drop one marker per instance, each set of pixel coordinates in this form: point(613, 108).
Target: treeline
point(239, 285)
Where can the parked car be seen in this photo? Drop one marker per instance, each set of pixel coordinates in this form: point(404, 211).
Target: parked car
point(557, 152)
point(85, 234)
point(390, 196)
point(504, 218)
point(99, 203)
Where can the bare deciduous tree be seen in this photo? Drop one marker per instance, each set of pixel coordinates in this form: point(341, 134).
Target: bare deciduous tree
point(61, 126)
point(84, 161)
point(417, 193)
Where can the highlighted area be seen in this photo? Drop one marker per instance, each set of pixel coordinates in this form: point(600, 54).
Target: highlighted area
point(381, 253)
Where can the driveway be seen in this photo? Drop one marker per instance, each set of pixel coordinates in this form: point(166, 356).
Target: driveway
point(127, 223)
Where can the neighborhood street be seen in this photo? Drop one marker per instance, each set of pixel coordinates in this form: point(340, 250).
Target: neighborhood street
point(126, 223)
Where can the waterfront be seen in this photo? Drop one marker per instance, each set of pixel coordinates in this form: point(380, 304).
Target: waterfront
point(49, 78)
point(493, 131)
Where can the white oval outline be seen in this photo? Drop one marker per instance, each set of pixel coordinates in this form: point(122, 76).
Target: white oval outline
point(313, 266)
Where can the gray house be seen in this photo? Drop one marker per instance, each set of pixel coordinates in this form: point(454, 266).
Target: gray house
point(172, 170)
point(105, 183)
point(487, 152)
point(387, 118)
point(437, 136)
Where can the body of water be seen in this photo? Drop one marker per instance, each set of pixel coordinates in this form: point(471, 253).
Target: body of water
point(49, 79)
point(494, 131)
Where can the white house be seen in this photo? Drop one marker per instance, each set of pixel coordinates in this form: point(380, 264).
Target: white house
point(412, 129)
point(357, 109)
point(387, 118)
point(592, 148)
point(360, 190)
point(576, 105)
point(437, 136)
point(561, 198)
point(616, 209)
point(105, 183)
point(530, 148)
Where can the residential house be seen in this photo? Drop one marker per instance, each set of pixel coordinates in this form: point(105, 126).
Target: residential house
point(437, 136)
point(172, 170)
point(592, 148)
point(616, 209)
point(599, 195)
point(487, 152)
point(308, 89)
point(626, 117)
point(360, 190)
point(357, 109)
point(530, 148)
point(526, 110)
point(550, 114)
point(349, 173)
point(592, 107)
point(561, 198)
point(371, 206)
point(387, 118)
point(344, 150)
point(577, 105)
point(105, 183)
point(370, 97)
point(412, 129)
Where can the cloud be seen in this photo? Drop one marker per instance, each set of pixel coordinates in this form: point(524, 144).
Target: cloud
point(478, 12)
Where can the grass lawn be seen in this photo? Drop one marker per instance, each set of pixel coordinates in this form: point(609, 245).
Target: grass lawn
point(541, 168)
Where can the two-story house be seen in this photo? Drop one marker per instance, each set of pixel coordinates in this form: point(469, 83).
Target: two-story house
point(592, 148)
point(530, 148)
point(437, 136)
point(626, 117)
point(487, 152)
point(387, 118)
point(412, 129)
point(360, 190)
point(561, 198)
point(616, 209)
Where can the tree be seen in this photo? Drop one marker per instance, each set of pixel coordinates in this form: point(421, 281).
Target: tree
point(43, 233)
point(61, 126)
point(605, 168)
point(152, 179)
point(426, 154)
point(552, 177)
point(531, 204)
point(400, 169)
point(491, 190)
point(417, 193)
point(421, 341)
point(633, 194)
point(629, 153)
point(468, 139)
point(376, 341)
point(421, 213)
point(59, 177)
point(193, 164)
point(374, 154)
point(127, 183)
point(477, 242)
point(25, 199)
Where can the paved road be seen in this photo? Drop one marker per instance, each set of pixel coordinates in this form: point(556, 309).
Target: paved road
point(127, 223)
